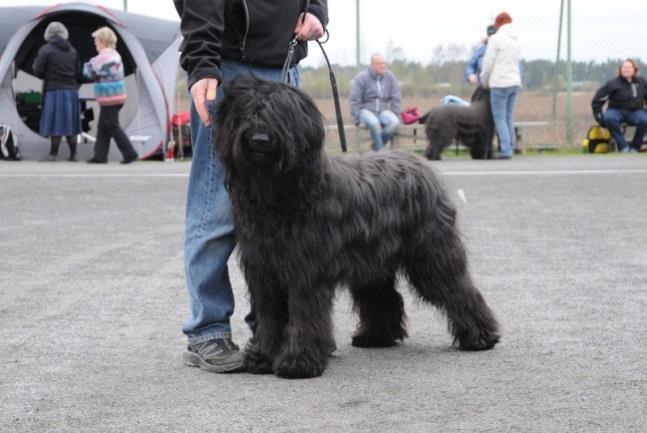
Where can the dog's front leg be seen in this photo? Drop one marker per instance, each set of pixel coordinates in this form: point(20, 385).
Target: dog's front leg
point(271, 318)
point(308, 340)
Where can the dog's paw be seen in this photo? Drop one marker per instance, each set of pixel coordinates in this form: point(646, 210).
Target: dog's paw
point(257, 363)
point(483, 340)
point(300, 366)
point(366, 340)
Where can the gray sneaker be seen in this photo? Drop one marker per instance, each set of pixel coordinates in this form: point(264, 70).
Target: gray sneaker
point(216, 356)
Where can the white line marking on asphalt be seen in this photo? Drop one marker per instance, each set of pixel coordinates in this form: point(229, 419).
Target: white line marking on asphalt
point(92, 175)
point(543, 172)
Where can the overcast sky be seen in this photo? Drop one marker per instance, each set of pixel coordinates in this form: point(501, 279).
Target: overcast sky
point(417, 26)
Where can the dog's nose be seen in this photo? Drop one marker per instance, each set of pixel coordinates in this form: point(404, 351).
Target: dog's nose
point(260, 139)
point(259, 143)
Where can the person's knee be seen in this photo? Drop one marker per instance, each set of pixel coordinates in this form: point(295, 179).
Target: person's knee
point(371, 122)
point(641, 120)
point(392, 125)
point(391, 128)
point(389, 121)
point(611, 119)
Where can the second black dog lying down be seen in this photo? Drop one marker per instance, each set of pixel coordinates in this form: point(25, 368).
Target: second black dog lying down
point(472, 125)
point(308, 222)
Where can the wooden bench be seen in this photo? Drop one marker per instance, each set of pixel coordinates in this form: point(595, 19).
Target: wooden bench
point(520, 128)
point(628, 131)
point(416, 132)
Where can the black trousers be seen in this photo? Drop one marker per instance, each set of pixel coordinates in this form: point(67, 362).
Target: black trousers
point(109, 128)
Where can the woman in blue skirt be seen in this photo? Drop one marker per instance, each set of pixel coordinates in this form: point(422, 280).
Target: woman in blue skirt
point(57, 63)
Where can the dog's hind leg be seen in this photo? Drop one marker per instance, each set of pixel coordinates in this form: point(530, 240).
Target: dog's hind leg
point(380, 307)
point(308, 336)
point(437, 270)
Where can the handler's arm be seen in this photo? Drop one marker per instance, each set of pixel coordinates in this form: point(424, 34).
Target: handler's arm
point(601, 96)
point(38, 67)
point(471, 70)
point(311, 26)
point(355, 99)
point(488, 62)
point(202, 25)
point(396, 97)
point(319, 8)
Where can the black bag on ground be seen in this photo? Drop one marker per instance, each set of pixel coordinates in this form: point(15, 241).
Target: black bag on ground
point(8, 146)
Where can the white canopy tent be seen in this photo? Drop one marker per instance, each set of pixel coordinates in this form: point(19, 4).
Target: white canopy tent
point(149, 49)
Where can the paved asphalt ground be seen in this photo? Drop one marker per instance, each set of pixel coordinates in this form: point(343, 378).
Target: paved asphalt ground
point(92, 299)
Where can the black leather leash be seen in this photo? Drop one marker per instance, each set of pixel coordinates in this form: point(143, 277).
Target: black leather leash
point(333, 83)
point(335, 95)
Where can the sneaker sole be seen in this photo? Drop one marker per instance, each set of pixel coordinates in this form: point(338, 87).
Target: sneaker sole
point(193, 360)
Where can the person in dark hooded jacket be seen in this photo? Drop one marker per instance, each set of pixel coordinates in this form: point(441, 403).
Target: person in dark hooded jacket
point(57, 64)
point(625, 96)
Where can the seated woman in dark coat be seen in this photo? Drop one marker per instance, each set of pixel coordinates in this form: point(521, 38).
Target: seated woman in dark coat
point(626, 95)
point(57, 63)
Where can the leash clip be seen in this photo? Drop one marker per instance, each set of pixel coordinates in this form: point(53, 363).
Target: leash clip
point(288, 60)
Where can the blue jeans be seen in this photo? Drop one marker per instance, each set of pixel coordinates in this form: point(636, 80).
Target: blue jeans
point(614, 118)
point(382, 126)
point(502, 100)
point(209, 231)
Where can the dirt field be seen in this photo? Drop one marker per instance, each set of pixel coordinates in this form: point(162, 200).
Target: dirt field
point(531, 106)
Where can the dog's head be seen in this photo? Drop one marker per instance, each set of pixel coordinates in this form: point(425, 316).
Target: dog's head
point(481, 94)
point(267, 128)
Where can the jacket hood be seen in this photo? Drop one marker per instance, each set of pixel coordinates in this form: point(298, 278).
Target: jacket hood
point(60, 43)
point(508, 30)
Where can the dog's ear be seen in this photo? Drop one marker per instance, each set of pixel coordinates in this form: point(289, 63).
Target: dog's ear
point(312, 121)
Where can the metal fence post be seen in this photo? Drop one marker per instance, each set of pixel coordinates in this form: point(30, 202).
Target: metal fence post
point(569, 76)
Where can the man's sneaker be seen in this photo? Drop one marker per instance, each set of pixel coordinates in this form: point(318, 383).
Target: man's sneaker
point(216, 356)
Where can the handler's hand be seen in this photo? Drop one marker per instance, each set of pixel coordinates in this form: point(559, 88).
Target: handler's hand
point(202, 91)
point(308, 29)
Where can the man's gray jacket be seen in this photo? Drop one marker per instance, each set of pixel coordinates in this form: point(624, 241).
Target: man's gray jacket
point(375, 93)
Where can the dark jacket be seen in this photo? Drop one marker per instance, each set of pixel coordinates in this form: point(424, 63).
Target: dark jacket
point(621, 95)
point(252, 31)
point(58, 65)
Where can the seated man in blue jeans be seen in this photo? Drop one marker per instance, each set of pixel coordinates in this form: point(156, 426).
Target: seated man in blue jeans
point(626, 95)
point(375, 101)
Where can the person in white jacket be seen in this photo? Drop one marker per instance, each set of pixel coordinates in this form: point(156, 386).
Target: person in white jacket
point(501, 73)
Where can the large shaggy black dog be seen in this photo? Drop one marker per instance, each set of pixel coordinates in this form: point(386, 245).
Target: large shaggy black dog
point(472, 125)
point(308, 222)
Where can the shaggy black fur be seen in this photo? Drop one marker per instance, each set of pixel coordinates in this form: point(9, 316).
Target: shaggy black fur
point(473, 126)
point(308, 222)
